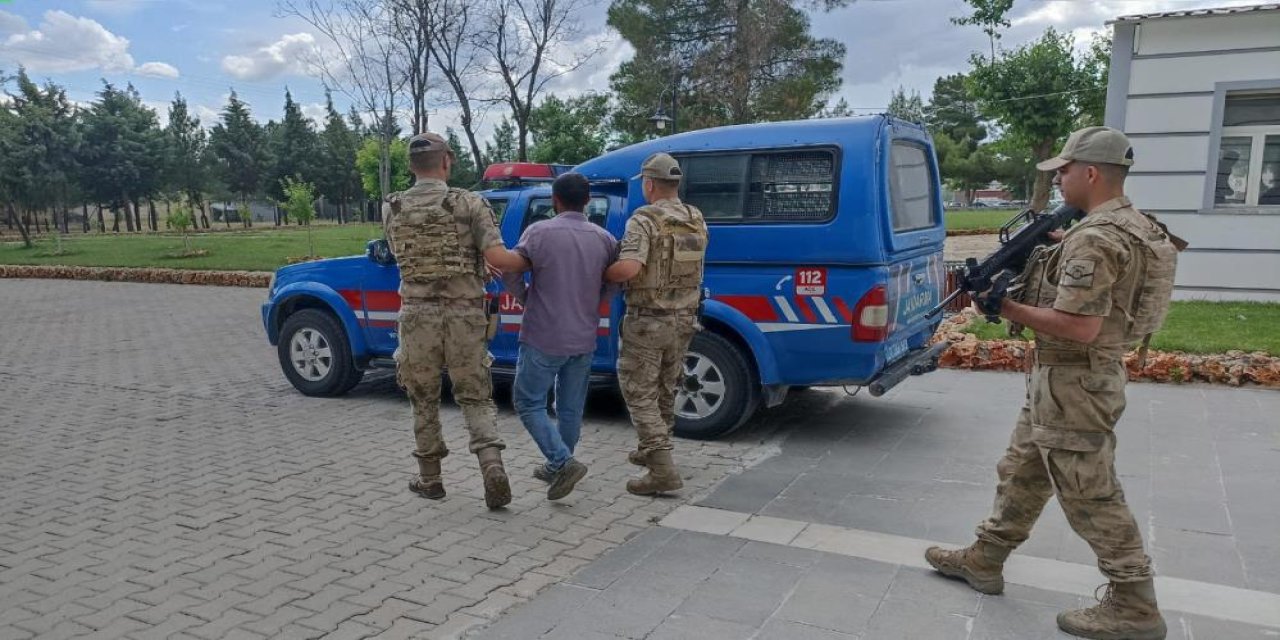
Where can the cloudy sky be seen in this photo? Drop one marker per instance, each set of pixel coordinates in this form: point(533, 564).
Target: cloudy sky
point(204, 48)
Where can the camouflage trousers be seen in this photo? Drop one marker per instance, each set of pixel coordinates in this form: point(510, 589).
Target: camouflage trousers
point(1064, 445)
point(650, 365)
point(433, 336)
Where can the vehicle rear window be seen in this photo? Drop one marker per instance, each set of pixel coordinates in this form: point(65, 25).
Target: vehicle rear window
point(541, 209)
point(772, 186)
point(912, 187)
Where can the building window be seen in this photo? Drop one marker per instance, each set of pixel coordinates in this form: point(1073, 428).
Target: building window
point(1248, 172)
point(771, 186)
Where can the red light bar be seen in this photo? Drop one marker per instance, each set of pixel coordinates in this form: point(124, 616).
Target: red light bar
point(519, 171)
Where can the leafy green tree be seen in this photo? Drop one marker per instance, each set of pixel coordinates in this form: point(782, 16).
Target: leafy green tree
point(300, 199)
point(180, 218)
point(1094, 67)
point(187, 162)
point(1033, 93)
point(465, 174)
point(367, 164)
point(909, 108)
point(726, 63)
point(503, 146)
point(295, 149)
point(954, 112)
point(841, 109)
point(123, 152)
point(44, 153)
point(240, 147)
point(570, 131)
point(336, 177)
point(990, 15)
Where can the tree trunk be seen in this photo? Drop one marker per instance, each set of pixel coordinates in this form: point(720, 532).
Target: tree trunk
point(275, 213)
point(151, 210)
point(84, 212)
point(137, 215)
point(226, 213)
point(102, 224)
point(1044, 179)
point(22, 229)
point(128, 215)
point(115, 212)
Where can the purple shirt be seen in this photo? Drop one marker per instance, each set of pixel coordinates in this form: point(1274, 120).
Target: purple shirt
point(569, 256)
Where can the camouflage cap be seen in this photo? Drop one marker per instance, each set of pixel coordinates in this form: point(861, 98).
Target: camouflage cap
point(428, 141)
point(662, 167)
point(1096, 145)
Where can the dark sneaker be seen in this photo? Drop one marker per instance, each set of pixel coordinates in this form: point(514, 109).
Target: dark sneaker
point(544, 474)
point(433, 490)
point(565, 479)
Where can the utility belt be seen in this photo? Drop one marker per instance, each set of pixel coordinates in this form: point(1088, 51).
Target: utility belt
point(1067, 358)
point(466, 303)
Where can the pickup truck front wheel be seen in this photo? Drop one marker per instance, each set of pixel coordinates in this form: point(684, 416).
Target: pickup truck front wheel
point(717, 392)
point(315, 355)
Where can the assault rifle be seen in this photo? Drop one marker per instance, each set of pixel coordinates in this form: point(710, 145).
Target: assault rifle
point(1018, 238)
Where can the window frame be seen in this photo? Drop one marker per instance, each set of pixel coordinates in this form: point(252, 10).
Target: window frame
point(1258, 135)
point(895, 189)
point(836, 162)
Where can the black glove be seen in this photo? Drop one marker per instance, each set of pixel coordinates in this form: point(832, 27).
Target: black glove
point(990, 301)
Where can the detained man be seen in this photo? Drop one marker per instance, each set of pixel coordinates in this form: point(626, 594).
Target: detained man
point(567, 258)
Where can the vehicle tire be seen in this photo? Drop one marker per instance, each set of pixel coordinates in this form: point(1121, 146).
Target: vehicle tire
point(718, 391)
point(315, 355)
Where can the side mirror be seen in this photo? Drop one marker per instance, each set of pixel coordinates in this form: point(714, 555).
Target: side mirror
point(380, 252)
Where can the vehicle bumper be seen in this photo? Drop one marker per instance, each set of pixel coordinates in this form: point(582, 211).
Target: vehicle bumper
point(272, 336)
point(916, 362)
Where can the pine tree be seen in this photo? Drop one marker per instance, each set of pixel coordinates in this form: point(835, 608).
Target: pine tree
point(239, 145)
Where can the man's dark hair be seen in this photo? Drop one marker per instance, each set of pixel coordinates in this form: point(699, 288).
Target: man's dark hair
point(572, 190)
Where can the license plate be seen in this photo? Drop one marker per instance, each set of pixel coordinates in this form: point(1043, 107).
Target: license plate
point(895, 351)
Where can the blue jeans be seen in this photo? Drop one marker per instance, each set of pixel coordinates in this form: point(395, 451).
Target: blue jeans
point(536, 372)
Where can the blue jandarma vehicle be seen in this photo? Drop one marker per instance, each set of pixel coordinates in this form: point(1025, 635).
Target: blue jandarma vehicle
point(825, 254)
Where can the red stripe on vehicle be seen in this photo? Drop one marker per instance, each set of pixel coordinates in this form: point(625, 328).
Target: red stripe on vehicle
point(604, 309)
point(382, 300)
point(351, 296)
point(511, 328)
point(381, 324)
point(756, 308)
point(843, 310)
point(804, 309)
point(602, 331)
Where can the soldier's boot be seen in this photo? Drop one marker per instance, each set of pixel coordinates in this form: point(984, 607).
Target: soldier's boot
point(428, 483)
point(662, 476)
point(636, 457)
point(497, 488)
point(1126, 612)
point(980, 564)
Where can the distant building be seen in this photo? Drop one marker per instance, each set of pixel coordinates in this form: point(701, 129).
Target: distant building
point(1198, 92)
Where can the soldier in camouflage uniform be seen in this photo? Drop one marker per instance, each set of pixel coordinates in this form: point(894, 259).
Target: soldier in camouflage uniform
point(441, 238)
point(1089, 298)
point(660, 259)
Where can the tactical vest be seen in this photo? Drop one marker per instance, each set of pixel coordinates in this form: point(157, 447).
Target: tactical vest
point(675, 261)
point(1142, 293)
point(425, 241)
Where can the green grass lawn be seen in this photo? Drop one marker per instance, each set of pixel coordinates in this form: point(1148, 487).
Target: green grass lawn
point(990, 219)
point(264, 249)
point(1198, 327)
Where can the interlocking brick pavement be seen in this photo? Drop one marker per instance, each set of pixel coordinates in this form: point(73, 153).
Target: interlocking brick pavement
point(163, 480)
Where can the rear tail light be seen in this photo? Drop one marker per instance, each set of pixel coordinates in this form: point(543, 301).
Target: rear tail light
point(871, 316)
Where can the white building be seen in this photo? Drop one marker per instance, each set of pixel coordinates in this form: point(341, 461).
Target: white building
point(1198, 92)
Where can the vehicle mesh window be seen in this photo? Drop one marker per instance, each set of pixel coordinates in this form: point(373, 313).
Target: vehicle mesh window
point(913, 189)
point(714, 184)
point(793, 187)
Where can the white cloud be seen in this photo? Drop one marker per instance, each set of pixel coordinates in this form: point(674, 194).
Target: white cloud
point(11, 23)
point(46, 49)
point(208, 116)
point(316, 112)
point(288, 55)
point(158, 70)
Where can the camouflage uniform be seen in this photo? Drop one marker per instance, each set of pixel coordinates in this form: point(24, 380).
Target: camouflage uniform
point(1118, 264)
point(669, 238)
point(438, 236)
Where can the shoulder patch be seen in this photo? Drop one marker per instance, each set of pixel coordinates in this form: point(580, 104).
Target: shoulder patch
point(1078, 272)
